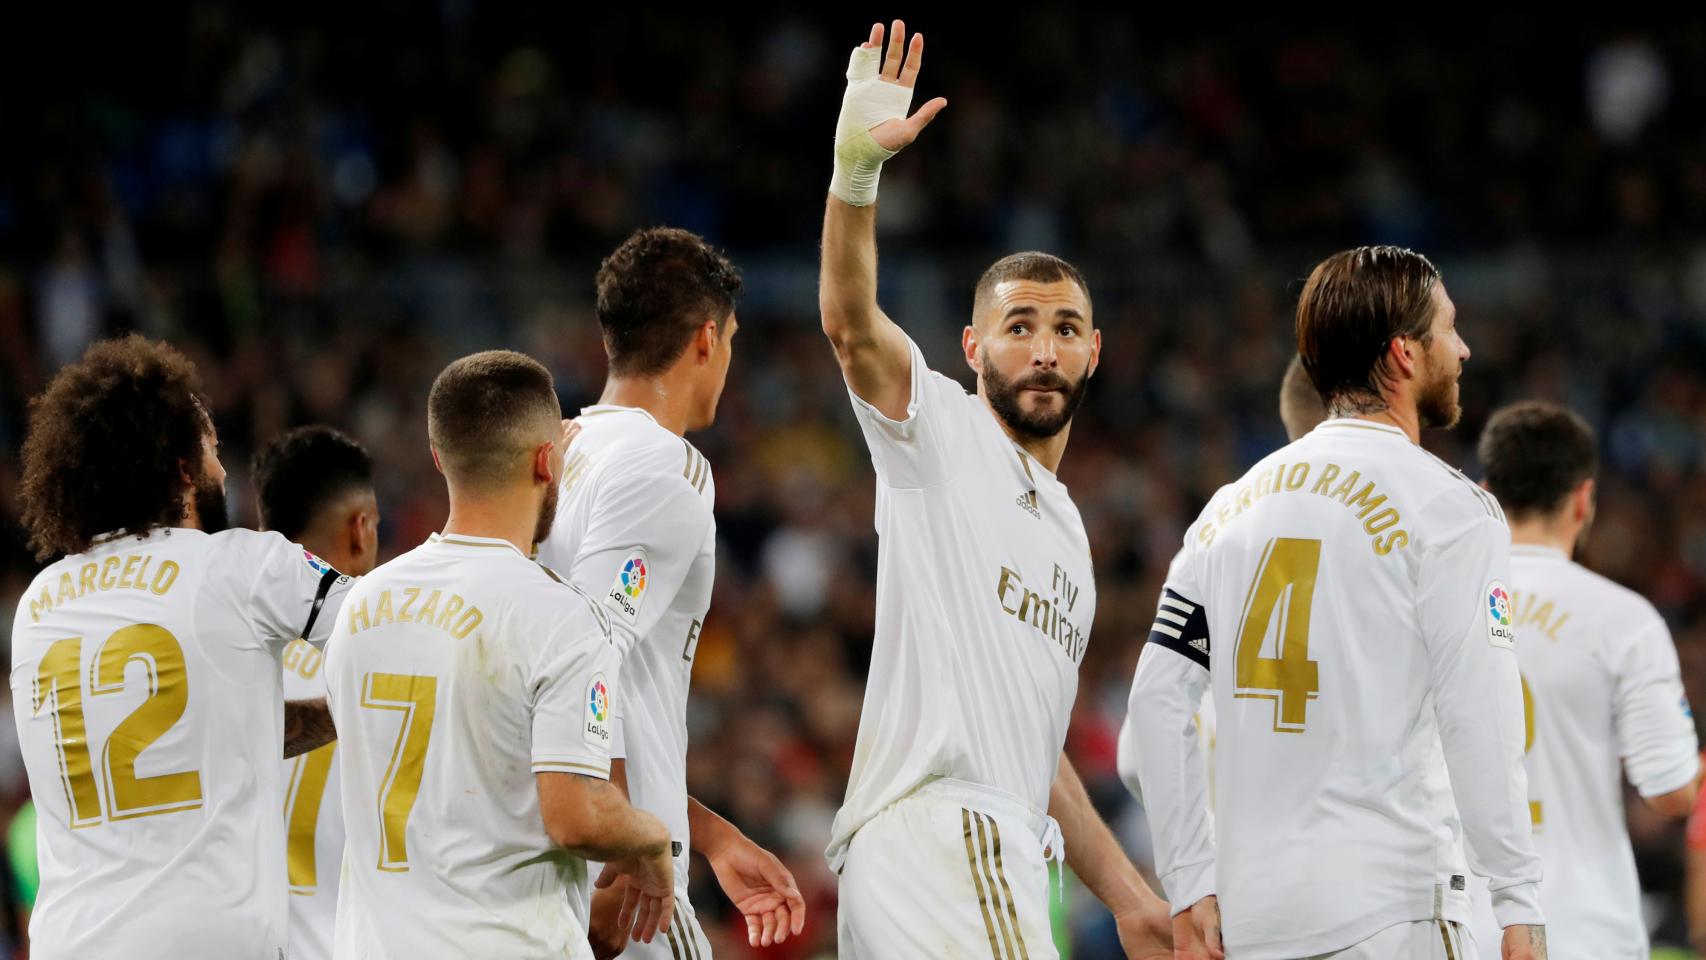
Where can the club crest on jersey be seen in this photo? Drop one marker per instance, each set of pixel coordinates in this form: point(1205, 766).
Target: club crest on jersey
point(315, 564)
point(629, 588)
point(597, 730)
point(1501, 629)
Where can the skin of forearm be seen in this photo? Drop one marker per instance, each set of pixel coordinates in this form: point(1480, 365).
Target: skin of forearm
point(847, 295)
point(307, 726)
point(710, 832)
point(617, 831)
point(1091, 850)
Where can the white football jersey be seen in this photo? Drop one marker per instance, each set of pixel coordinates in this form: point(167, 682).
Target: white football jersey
point(145, 684)
point(458, 671)
point(985, 597)
point(313, 819)
point(1348, 596)
point(634, 531)
point(1603, 695)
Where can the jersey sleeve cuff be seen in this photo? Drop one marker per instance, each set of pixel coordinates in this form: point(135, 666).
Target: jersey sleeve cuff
point(1675, 777)
point(1188, 884)
point(916, 378)
point(1517, 904)
point(579, 767)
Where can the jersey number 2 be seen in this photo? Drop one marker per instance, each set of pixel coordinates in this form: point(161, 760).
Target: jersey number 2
point(1283, 591)
point(416, 698)
point(59, 679)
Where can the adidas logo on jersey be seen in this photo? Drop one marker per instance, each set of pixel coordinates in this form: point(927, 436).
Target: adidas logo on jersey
point(1027, 501)
point(1200, 645)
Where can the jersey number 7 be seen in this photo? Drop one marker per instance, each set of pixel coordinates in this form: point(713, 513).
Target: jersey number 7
point(416, 698)
point(1283, 591)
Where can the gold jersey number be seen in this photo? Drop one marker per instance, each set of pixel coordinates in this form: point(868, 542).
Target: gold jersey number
point(58, 686)
point(1283, 591)
point(416, 698)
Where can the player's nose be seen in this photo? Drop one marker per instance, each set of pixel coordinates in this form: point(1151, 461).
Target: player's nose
point(1043, 352)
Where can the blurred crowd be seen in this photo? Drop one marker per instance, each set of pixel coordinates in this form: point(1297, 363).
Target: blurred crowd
point(322, 212)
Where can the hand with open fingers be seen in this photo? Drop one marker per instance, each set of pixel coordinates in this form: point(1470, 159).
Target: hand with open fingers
point(762, 889)
point(874, 125)
point(649, 900)
point(1196, 932)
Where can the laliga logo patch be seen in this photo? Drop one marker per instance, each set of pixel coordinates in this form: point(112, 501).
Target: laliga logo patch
point(1500, 630)
point(315, 564)
point(597, 730)
point(629, 588)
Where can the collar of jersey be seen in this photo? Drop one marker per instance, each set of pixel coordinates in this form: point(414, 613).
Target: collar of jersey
point(618, 408)
point(119, 536)
point(1537, 550)
point(466, 540)
point(1029, 469)
point(1353, 423)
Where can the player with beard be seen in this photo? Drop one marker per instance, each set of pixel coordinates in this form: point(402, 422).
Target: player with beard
point(959, 793)
point(1346, 602)
point(473, 691)
point(145, 672)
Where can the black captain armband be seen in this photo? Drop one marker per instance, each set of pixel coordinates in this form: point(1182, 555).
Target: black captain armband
point(327, 579)
point(1181, 626)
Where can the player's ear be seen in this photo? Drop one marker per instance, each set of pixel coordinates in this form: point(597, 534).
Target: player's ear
point(437, 464)
point(705, 341)
point(969, 342)
point(545, 462)
point(1095, 352)
point(1584, 496)
point(355, 527)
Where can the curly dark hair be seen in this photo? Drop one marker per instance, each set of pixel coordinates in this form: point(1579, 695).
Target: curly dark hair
point(658, 287)
point(109, 443)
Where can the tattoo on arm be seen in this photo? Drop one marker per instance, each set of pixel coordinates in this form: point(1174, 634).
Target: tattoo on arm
point(307, 726)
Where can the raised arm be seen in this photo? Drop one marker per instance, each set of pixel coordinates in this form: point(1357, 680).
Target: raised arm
point(873, 127)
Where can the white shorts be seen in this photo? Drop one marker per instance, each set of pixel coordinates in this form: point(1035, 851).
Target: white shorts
point(684, 940)
point(953, 870)
point(1412, 940)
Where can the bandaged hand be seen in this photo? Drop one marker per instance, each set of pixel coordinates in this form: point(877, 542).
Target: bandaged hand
point(873, 125)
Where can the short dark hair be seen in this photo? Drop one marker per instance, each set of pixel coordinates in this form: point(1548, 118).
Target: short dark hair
point(303, 471)
point(654, 291)
point(1353, 305)
point(1300, 407)
point(1031, 265)
point(110, 441)
point(488, 410)
point(1535, 454)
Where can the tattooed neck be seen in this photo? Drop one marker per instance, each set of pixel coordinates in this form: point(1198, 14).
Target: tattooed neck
point(1355, 405)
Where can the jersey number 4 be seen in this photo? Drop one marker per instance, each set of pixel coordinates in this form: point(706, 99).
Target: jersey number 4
point(59, 681)
point(1278, 607)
